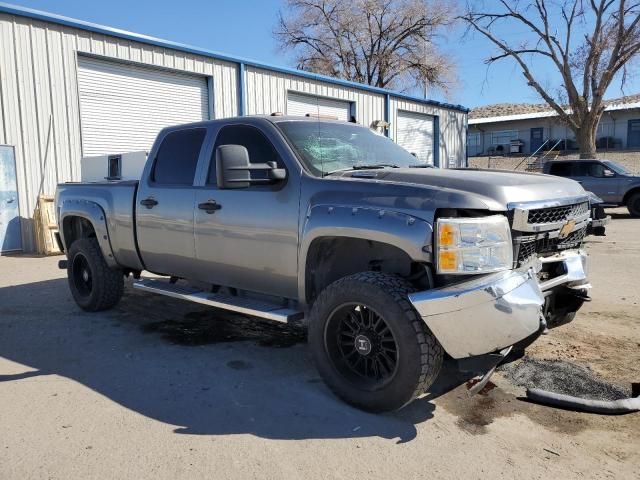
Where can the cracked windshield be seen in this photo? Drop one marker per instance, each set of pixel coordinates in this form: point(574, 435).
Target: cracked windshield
point(328, 147)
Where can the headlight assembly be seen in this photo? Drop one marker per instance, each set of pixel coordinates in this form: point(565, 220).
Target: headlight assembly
point(473, 245)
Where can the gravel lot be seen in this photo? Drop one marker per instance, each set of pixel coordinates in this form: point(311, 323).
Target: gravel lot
point(162, 389)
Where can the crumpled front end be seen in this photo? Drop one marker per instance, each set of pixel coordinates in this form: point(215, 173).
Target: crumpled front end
point(492, 312)
point(483, 315)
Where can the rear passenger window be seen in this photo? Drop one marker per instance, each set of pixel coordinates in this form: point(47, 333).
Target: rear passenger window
point(560, 169)
point(259, 147)
point(177, 157)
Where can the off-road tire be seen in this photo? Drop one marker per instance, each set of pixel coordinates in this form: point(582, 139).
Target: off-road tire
point(106, 285)
point(419, 354)
point(633, 205)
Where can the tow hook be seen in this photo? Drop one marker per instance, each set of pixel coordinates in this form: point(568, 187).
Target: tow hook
point(582, 295)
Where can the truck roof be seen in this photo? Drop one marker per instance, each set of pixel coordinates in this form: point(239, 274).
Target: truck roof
point(273, 118)
point(565, 160)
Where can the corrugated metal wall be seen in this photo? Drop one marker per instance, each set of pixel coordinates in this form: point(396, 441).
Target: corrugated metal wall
point(39, 112)
point(267, 93)
point(453, 136)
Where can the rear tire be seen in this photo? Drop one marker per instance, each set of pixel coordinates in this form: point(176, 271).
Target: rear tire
point(93, 284)
point(633, 205)
point(370, 345)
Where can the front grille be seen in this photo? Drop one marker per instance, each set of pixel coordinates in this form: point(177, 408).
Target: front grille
point(557, 214)
point(527, 247)
point(526, 250)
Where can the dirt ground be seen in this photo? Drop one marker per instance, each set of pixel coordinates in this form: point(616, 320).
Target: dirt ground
point(157, 388)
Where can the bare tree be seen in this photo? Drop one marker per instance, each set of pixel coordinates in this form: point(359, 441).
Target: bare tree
point(385, 43)
point(589, 42)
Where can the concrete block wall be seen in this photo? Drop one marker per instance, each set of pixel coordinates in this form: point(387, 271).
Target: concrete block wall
point(630, 160)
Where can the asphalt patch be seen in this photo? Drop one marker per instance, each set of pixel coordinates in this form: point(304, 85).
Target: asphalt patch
point(564, 377)
point(211, 326)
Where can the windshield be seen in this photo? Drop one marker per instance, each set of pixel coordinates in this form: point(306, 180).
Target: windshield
point(616, 167)
point(331, 147)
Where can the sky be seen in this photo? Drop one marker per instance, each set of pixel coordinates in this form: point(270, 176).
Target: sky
point(244, 28)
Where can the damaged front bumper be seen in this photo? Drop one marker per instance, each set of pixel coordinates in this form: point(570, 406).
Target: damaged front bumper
point(492, 312)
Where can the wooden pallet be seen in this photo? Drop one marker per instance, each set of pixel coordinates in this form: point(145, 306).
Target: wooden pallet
point(46, 226)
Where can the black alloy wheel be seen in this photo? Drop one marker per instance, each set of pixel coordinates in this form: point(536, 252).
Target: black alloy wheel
point(370, 345)
point(361, 345)
point(81, 273)
point(94, 285)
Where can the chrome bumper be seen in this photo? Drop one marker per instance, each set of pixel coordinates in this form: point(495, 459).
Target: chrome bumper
point(574, 267)
point(600, 222)
point(495, 311)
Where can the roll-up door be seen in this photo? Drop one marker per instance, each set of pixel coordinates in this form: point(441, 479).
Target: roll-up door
point(415, 134)
point(124, 106)
point(301, 105)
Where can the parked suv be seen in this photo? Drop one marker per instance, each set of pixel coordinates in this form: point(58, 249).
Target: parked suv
point(391, 264)
point(609, 180)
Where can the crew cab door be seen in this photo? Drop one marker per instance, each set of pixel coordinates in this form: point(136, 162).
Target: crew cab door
point(247, 238)
point(164, 203)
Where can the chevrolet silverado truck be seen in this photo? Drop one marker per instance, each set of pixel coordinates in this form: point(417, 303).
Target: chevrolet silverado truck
point(391, 263)
point(610, 181)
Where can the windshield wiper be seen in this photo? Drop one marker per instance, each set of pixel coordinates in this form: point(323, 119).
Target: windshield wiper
point(363, 167)
point(422, 165)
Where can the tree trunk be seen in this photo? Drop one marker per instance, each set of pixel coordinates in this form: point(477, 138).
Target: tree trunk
point(586, 138)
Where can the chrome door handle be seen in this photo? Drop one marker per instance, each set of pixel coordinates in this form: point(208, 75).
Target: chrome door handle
point(149, 202)
point(210, 206)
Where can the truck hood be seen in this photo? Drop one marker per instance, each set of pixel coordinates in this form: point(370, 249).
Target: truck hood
point(492, 186)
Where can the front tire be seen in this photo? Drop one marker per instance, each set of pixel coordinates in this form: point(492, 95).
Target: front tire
point(93, 284)
point(369, 344)
point(633, 205)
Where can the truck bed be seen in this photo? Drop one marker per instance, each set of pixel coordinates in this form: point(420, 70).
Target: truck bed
point(117, 201)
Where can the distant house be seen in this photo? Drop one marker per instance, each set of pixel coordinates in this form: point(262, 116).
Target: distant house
point(523, 128)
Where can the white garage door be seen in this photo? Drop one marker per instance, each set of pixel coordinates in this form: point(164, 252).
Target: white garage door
point(415, 134)
point(123, 107)
point(301, 105)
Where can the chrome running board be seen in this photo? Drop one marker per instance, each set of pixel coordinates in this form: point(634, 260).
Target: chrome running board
point(246, 306)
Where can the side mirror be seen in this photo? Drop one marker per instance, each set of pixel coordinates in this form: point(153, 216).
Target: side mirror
point(232, 166)
point(233, 169)
point(608, 173)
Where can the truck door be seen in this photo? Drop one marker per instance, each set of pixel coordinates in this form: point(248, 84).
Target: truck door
point(248, 238)
point(597, 178)
point(164, 203)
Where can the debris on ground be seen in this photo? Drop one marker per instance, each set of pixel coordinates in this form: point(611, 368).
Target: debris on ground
point(563, 377)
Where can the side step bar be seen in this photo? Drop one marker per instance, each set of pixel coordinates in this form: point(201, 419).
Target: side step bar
point(246, 306)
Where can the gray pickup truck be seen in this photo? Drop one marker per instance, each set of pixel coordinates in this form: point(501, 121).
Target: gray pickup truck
point(391, 263)
point(609, 180)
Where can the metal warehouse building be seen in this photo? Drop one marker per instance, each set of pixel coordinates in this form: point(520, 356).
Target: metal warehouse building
point(71, 89)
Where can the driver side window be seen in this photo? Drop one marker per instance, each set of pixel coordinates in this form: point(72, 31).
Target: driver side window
point(259, 147)
point(596, 170)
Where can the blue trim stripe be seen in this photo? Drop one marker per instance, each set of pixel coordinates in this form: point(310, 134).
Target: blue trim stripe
point(387, 114)
point(242, 99)
point(436, 140)
point(116, 32)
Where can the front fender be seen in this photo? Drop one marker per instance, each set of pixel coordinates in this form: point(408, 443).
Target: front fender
point(408, 233)
point(93, 213)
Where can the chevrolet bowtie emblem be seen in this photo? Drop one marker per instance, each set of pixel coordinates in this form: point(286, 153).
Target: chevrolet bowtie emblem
point(566, 229)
